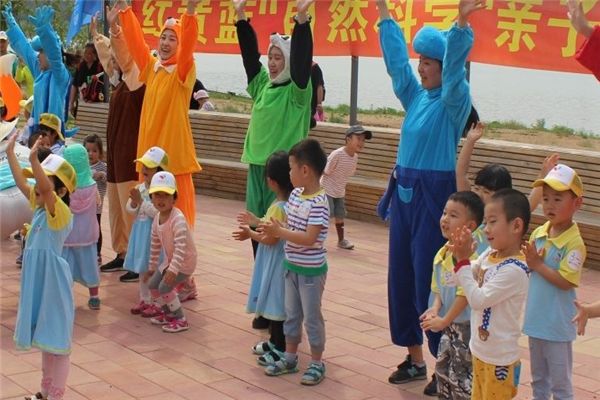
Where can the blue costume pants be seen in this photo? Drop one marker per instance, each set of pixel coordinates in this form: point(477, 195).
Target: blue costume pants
point(416, 205)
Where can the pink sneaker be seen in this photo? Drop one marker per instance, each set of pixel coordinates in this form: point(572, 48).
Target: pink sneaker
point(140, 307)
point(161, 319)
point(151, 311)
point(187, 290)
point(176, 325)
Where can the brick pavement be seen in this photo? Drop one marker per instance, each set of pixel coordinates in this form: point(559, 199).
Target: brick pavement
point(120, 356)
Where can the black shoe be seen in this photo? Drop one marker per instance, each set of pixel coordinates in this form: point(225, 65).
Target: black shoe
point(407, 372)
point(114, 265)
point(129, 277)
point(260, 323)
point(431, 388)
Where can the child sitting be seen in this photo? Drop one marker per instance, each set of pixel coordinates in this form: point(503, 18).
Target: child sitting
point(305, 261)
point(555, 255)
point(450, 312)
point(170, 232)
point(138, 248)
point(341, 165)
point(266, 295)
point(496, 288)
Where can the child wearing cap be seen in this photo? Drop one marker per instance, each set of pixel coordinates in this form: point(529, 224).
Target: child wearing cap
point(138, 248)
point(80, 249)
point(555, 255)
point(171, 233)
point(46, 281)
point(201, 96)
point(50, 127)
point(341, 165)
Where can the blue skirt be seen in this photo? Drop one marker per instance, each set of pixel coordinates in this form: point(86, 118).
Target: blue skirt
point(266, 296)
point(46, 309)
point(138, 249)
point(83, 261)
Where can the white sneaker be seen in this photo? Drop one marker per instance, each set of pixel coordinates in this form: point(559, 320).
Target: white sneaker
point(345, 244)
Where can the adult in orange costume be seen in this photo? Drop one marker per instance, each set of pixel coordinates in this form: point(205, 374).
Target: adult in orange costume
point(169, 79)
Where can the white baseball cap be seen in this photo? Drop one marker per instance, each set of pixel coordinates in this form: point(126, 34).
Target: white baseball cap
point(163, 181)
point(3, 35)
point(154, 157)
point(562, 178)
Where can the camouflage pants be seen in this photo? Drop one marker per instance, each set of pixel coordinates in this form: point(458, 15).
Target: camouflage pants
point(453, 368)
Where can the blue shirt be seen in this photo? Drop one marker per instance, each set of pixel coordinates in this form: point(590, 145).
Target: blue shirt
point(435, 119)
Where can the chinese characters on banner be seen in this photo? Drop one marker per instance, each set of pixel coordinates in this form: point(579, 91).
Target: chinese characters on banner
point(523, 33)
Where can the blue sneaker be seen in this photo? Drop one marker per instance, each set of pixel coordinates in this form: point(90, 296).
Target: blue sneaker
point(407, 372)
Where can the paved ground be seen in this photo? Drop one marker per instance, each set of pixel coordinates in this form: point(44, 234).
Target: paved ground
point(120, 356)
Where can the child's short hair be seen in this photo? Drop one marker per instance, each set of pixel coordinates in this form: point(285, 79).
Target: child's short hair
point(309, 152)
point(278, 169)
point(34, 137)
point(493, 177)
point(515, 205)
point(97, 140)
point(472, 203)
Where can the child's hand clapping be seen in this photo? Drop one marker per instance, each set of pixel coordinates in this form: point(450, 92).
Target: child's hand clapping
point(135, 196)
point(270, 228)
point(580, 318)
point(242, 234)
point(33, 152)
point(430, 313)
point(247, 218)
point(435, 324)
point(462, 245)
point(533, 257)
point(10, 147)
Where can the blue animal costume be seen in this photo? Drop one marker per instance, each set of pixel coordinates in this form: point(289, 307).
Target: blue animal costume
point(424, 175)
point(50, 85)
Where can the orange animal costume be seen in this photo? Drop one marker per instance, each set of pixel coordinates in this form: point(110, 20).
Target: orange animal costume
point(164, 120)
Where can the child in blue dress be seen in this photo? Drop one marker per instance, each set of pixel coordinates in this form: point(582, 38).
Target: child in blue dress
point(80, 249)
point(138, 248)
point(46, 312)
point(266, 296)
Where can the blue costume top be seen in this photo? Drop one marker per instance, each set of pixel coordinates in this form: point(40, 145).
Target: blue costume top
point(49, 86)
point(435, 118)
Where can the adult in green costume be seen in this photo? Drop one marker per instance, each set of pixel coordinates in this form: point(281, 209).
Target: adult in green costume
point(282, 95)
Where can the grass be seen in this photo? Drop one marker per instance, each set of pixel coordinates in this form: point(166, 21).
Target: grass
point(540, 125)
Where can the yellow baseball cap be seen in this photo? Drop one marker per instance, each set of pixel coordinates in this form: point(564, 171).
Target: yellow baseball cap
point(27, 104)
point(53, 122)
point(562, 178)
point(154, 157)
point(163, 181)
point(55, 165)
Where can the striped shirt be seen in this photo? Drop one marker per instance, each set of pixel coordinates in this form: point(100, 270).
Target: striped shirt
point(100, 167)
point(303, 211)
point(175, 238)
point(340, 167)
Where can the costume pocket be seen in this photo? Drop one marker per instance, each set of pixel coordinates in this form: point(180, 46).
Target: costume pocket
point(405, 194)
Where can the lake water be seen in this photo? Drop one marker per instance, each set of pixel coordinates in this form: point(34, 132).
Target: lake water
point(499, 93)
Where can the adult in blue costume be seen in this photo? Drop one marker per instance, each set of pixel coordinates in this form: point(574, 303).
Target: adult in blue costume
point(43, 56)
point(424, 176)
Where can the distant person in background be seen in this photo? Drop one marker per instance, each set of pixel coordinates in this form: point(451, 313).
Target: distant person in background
point(201, 96)
point(88, 81)
point(194, 105)
point(318, 95)
point(3, 43)
point(588, 54)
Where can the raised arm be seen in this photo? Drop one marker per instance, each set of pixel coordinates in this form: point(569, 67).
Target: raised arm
point(19, 42)
point(42, 20)
point(535, 196)
point(247, 41)
point(455, 88)
point(102, 45)
point(15, 167)
point(301, 52)
point(395, 55)
point(42, 182)
point(189, 35)
point(464, 157)
point(134, 36)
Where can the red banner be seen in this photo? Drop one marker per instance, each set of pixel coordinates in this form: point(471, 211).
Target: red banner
point(521, 33)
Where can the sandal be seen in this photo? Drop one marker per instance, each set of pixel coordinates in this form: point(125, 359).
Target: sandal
point(314, 374)
point(281, 367)
point(261, 348)
point(37, 396)
point(270, 358)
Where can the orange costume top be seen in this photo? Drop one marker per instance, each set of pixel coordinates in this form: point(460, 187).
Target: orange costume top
point(164, 121)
